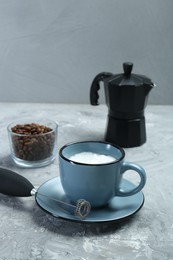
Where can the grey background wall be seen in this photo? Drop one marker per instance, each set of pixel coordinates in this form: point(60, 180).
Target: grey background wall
point(50, 50)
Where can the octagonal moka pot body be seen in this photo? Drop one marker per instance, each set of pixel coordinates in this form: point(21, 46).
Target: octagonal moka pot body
point(126, 97)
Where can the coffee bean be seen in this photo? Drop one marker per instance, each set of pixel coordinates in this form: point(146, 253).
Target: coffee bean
point(33, 141)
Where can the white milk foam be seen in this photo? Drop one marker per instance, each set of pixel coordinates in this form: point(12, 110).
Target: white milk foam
point(92, 158)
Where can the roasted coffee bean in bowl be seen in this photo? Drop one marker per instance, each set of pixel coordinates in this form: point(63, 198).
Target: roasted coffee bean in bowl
point(33, 143)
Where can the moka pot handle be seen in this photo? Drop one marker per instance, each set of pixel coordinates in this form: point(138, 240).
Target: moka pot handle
point(95, 86)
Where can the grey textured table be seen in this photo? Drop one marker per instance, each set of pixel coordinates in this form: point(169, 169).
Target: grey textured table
point(27, 232)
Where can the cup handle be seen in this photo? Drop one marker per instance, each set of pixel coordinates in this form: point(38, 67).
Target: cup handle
point(137, 168)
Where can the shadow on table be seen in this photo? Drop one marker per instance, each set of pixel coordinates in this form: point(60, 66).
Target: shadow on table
point(71, 228)
point(59, 225)
point(17, 203)
point(6, 162)
point(62, 226)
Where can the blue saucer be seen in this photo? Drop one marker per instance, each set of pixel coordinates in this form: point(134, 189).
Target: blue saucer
point(117, 209)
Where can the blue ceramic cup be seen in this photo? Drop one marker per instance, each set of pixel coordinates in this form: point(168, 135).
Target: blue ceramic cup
point(100, 182)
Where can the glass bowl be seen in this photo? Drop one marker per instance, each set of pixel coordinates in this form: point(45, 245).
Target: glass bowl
point(33, 143)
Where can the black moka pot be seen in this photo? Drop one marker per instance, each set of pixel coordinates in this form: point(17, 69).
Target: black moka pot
point(126, 98)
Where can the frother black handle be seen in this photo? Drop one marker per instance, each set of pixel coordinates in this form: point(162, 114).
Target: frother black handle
point(13, 184)
point(95, 86)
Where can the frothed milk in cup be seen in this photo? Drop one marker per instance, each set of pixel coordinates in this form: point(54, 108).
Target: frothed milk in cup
point(93, 170)
point(92, 158)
